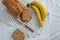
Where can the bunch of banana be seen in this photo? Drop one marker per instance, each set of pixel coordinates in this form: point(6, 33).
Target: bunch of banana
point(39, 10)
point(37, 13)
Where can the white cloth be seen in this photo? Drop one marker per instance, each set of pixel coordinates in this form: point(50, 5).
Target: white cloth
point(54, 19)
point(49, 31)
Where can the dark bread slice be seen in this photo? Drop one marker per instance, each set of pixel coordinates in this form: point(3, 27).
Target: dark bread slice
point(26, 15)
point(18, 35)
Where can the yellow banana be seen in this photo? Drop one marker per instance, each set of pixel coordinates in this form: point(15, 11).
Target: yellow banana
point(41, 8)
point(37, 13)
point(35, 0)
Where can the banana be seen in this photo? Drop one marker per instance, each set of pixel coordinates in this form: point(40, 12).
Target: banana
point(41, 8)
point(37, 13)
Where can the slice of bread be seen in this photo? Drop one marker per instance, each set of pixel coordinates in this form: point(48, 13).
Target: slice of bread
point(26, 15)
point(18, 35)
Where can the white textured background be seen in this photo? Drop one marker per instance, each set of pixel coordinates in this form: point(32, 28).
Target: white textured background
point(49, 31)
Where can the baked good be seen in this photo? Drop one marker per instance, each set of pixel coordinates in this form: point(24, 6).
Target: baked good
point(12, 7)
point(18, 35)
point(26, 15)
point(18, 10)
